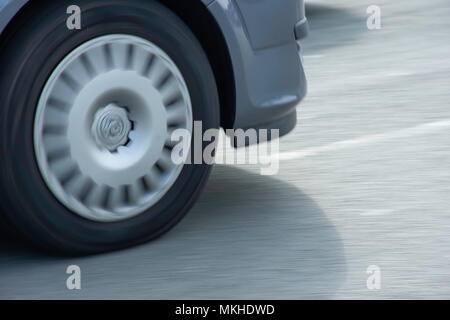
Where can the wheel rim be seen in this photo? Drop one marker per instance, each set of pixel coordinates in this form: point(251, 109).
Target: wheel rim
point(103, 126)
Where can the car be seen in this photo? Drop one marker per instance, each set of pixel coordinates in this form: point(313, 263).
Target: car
point(91, 90)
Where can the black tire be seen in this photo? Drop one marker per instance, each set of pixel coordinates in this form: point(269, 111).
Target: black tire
point(38, 41)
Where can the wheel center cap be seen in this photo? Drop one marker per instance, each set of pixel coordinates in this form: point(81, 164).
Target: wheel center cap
point(111, 127)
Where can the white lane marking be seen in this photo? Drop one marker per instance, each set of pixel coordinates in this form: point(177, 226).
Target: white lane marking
point(402, 133)
point(400, 74)
point(312, 56)
point(301, 116)
point(377, 212)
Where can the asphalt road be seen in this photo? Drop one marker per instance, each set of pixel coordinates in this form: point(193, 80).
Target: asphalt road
point(364, 180)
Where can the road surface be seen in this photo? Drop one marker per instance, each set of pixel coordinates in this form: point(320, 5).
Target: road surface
point(364, 181)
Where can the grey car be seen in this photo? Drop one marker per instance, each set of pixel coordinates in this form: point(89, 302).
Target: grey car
point(92, 91)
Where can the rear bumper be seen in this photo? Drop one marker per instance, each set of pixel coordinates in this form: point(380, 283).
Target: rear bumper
point(262, 37)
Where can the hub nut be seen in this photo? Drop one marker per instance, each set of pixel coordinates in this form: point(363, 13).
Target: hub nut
point(111, 127)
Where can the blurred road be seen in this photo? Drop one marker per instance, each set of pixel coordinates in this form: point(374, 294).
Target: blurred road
point(364, 180)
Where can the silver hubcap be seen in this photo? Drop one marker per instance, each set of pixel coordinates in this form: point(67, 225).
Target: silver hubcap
point(103, 126)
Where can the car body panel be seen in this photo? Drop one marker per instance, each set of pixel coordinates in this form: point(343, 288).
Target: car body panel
point(262, 43)
point(269, 76)
point(8, 9)
point(269, 22)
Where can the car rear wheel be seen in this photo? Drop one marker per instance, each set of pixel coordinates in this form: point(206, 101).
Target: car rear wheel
point(87, 117)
